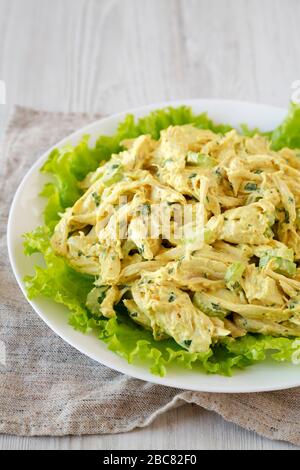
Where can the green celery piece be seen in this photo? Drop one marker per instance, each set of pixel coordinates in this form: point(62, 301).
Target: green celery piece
point(234, 274)
point(112, 175)
point(200, 159)
point(210, 308)
point(280, 265)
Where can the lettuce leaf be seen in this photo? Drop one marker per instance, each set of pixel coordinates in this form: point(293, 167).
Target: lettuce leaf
point(251, 132)
point(136, 344)
point(58, 281)
point(288, 133)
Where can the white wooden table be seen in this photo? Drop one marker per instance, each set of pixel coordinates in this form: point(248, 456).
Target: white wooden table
point(109, 55)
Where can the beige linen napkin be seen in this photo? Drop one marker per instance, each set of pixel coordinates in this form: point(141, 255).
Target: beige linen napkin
point(49, 388)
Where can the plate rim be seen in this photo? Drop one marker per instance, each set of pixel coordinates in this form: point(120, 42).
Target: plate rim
point(127, 368)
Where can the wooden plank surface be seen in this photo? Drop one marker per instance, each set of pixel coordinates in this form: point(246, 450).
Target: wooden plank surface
point(109, 55)
point(188, 427)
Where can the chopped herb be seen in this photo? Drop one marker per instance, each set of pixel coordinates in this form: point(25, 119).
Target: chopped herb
point(80, 253)
point(292, 304)
point(286, 216)
point(236, 285)
point(187, 342)
point(250, 187)
point(134, 314)
point(258, 171)
point(215, 306)
point(218, 172)
point(97, 198)
point(192, 175)
point(145, 209)
point(172, 297)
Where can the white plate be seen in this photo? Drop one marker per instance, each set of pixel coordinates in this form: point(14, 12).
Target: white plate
point(25, 215)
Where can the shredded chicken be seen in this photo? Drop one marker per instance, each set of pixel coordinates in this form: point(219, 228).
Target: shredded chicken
point(236, 273)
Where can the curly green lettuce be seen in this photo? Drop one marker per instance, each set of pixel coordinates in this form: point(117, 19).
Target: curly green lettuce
point(59, 282)
point(287, 134)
